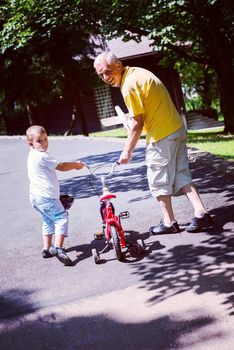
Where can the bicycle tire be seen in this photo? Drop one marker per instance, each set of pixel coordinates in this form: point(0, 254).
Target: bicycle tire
point(116, 242)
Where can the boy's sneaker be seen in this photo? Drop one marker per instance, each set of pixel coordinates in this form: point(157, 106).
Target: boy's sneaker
point(199, 224)
point(46, 253)
point(61, 255)
point(162, 228)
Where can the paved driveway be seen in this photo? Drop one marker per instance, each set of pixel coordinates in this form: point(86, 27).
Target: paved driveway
point(177, 296)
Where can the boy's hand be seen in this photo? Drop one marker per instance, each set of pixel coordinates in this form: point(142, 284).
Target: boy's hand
point(79, 165)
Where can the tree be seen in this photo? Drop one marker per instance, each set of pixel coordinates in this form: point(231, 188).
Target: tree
point(199, 86)
point(38, 40)
point(196, 30)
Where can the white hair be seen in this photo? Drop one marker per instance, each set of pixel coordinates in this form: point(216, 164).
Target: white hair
point(107, 56)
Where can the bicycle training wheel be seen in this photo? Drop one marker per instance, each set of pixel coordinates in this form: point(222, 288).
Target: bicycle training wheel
point(116, 242)
point(96, 257)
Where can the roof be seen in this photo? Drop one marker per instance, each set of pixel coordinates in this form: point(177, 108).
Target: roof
point(130, 48)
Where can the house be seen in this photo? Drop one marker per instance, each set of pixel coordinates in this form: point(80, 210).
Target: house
point(100, 102)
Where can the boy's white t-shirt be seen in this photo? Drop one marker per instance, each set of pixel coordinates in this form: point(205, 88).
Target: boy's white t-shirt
point(42, 174)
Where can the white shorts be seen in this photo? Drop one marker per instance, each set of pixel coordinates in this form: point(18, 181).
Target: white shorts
point(167, 164)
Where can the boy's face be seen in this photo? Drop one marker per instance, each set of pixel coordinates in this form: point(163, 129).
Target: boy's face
point(40, 142)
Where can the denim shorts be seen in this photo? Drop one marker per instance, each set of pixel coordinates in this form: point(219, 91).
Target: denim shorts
point(167, 165)
point(55, 218)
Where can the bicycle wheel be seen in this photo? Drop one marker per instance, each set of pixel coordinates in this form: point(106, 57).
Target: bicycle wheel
point(116, 242)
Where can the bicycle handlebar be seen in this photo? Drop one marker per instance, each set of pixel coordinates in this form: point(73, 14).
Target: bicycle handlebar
point(92, 170)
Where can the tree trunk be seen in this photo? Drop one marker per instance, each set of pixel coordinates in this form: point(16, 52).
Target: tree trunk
point(206, 96)
point(80, 115)
point(72, 122)
point(30, 114)
point(225, 77)
point(41, 114)
point(227, 103)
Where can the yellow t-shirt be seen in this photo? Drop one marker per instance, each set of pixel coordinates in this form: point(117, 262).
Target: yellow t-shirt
point(145, 94)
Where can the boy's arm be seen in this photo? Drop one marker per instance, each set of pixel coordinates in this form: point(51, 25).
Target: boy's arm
point(70, 166)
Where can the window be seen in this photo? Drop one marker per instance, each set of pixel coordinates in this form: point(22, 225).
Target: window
point(104, 105)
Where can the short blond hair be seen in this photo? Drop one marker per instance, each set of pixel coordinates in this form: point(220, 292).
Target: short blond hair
point(33, 131)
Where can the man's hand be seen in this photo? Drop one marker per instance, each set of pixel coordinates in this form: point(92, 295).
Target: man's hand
point(125, 157)
point(133, 136)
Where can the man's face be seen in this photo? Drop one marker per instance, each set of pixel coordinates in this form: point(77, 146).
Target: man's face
point(110, 73)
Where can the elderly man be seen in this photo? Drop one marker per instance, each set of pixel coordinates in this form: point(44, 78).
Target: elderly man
point(153, 111)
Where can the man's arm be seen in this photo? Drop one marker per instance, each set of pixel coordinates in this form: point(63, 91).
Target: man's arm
point(66, 166)
point(133, 136)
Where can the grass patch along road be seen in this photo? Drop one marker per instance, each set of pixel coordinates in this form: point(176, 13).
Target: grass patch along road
point(213, 141)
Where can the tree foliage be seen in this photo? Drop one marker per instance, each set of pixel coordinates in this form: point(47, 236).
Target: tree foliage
point(39, 41)
point(40, 38)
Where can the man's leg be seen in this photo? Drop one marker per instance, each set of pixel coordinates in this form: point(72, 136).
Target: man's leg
point(161, 158)
point(192, 194)
point(166, 207)
point(202, 219)
point(168, 224)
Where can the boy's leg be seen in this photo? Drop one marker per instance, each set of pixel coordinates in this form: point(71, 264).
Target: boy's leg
point(42, 205)
point(47, 241)
point(59, 240)
point(60, 219)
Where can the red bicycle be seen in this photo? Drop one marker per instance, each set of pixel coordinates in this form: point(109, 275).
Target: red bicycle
point(112, 228)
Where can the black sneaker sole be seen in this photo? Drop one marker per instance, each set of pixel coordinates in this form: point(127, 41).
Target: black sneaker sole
point(65, 261)
point(162, 232)
point(199, 229)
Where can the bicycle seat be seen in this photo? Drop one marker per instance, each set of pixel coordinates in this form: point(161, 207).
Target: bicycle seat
point(107, 196)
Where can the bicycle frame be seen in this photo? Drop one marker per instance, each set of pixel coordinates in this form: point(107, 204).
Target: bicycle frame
point(107, 208)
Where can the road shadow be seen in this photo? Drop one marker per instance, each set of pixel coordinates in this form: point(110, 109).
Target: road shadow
point(15, 302)
point(202, 268)
point(101, 332)
point(211, 181)
point(122, 180)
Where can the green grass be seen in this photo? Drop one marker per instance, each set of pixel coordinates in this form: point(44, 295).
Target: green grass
point(213, 141)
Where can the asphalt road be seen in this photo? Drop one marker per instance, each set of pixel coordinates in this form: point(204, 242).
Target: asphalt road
point(178, 295)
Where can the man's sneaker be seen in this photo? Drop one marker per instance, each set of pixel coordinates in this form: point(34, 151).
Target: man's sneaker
point(61, 255)
point(199, 224)
point(46, 254)
point(162, 228)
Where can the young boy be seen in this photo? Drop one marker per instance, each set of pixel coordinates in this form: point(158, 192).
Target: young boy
point(45, 193)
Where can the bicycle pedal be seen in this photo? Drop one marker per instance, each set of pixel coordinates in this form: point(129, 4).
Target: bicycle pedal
point(124, 214)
